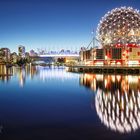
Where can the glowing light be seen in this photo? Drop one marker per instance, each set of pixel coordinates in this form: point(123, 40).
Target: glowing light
point(117, 119)
point(120, 29)
point(99, 63)
point(133, 63)
point(118, 63)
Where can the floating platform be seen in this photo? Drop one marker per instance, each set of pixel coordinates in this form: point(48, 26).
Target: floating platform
point(105, 69)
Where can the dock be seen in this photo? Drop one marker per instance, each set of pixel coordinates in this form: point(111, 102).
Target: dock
point(105, 69)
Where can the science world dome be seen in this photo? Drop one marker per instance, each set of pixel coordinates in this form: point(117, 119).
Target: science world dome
point(120, 25)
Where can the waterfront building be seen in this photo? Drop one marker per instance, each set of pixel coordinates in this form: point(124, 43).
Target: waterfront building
point(71, 60)
point(4, 55)
point(14, 57)
point(21, 51)
point(119, 35)
point(27, 57)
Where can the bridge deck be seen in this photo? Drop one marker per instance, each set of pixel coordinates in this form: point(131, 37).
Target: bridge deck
point(60, 55)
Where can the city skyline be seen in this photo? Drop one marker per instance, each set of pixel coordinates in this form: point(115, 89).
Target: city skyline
point(52, 24)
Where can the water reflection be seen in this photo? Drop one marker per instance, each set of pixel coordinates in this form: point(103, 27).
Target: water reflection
point(32, 72)
point(24, 72)
point(117, 100)
point(5, 73)
point(55, 73)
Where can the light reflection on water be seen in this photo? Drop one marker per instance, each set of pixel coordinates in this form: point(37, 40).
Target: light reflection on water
point(60, 74)
point(43, 73)
point(46, 96)
point(5, 73)
point(117, 100)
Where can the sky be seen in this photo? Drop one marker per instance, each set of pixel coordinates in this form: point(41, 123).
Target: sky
point(53, 24)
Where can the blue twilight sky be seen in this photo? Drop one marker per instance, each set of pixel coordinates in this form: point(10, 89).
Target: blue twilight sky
point(52, 24)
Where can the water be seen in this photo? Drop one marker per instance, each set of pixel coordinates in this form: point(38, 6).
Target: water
point(44, 103)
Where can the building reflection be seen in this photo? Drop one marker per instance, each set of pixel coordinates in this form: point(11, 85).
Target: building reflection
point(43, 73)
point(5, 73)
point(25, 72)
point(117, 100)
point(21, 72)
point(30, 72)
point(55, 73)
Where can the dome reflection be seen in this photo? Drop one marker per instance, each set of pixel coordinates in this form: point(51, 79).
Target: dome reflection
point(117, 100)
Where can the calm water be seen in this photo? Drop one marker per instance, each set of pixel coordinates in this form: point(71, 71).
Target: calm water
point(49, 104)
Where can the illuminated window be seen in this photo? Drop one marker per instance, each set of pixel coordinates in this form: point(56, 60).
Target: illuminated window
point(138, 53)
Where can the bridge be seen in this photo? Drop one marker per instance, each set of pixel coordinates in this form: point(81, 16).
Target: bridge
point(59, 55)
point(48, 58)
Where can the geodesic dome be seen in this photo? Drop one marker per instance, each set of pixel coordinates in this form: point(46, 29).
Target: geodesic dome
point(120, 25)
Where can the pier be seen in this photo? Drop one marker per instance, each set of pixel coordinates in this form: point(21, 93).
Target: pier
point(105, 69)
